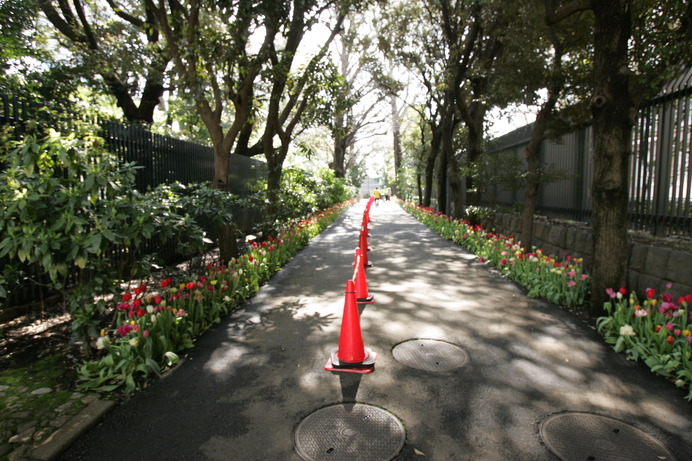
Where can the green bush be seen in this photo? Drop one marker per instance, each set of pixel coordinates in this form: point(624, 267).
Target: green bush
point(67, 207)
point(301, 193)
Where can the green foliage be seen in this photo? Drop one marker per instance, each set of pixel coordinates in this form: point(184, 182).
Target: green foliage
point(504, 171)
point(656, 331)
point(16, 16)
point(67, 207)
point(301, 193)
point(58, 202)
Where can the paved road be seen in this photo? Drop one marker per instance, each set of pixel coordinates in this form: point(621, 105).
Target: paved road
point(248, 383)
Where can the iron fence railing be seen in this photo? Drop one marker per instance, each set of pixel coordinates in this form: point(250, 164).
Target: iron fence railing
point(660, 167)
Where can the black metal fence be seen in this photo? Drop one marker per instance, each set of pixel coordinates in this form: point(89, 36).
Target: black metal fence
point(161, 160)
point(660, 169)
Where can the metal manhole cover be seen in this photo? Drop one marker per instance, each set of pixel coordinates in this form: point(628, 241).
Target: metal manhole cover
point(349, 432)
point(430, 354)
point(588, 437)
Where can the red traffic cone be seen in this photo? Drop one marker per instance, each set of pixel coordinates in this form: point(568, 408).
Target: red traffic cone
point(371, 200)
point(351, 356)
point(363, 245)
point(362, 295)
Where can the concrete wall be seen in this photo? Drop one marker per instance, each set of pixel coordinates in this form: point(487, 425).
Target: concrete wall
point(651, 266)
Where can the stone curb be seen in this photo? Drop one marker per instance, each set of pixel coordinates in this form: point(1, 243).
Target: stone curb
point(61, 439)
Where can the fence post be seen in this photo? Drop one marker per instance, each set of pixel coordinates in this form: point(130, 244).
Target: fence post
point(662, 170)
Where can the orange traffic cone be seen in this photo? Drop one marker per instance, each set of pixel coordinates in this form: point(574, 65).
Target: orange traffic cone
point(363, 245)
point(351, 356)
point(362, 295)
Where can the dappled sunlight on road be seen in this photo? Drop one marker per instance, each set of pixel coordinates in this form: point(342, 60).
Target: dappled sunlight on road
point(527, 359)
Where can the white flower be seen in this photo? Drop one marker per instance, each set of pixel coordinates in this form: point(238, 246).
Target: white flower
point(227, 298)
point(627, 330)
point(172, 357)
point(134, 342)
point(102, 342)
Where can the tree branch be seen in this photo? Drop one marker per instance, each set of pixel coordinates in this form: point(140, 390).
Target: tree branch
point(125, 16)
point(554, 16)
point(67, 27)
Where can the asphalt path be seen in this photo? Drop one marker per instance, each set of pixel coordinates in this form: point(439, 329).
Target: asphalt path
point(242, 390)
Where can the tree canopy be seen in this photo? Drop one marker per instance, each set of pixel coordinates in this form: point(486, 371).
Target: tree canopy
point(255, 74)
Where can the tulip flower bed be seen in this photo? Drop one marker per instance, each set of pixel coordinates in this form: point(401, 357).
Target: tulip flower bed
point(657, 330)
point(562, 282)
point(154, 324)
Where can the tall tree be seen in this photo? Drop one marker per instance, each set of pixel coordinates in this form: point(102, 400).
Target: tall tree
point(216, 66)
point(613, 110)
point(417, 46)
point(121, 44)
point(355, 102)
point(289, 93)
point(557, 74)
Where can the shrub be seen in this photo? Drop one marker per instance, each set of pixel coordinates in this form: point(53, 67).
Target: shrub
point(70, 209)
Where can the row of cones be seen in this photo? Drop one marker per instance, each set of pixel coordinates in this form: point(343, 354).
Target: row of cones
point(352, 355)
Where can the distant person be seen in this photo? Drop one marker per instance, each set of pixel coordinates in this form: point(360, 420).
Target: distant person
point(387, 193)
point(377, 194)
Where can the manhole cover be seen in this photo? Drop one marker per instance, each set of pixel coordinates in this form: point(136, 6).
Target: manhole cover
point(349, 432)
point(587, 437)
point(430, 354)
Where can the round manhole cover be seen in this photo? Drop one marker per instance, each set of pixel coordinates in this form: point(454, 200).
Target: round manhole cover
point(349, 432)
point(588, 437)
point(430, 354)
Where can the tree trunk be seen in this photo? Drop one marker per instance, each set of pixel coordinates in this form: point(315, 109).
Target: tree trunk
point(530, 195)
point(148, 102)
point(419, 188)
point(474, 127)
point(274, 169)
point(430, 166)
point(533, 162)
point(532, 151)
point(612, 112)
point(442, 183)
point(451, 162)
point(396, 143)
point(338, 158)
point(228, 245)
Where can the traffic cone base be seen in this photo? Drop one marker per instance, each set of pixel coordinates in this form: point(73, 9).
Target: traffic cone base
point(365, 367)
point(367, 300)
